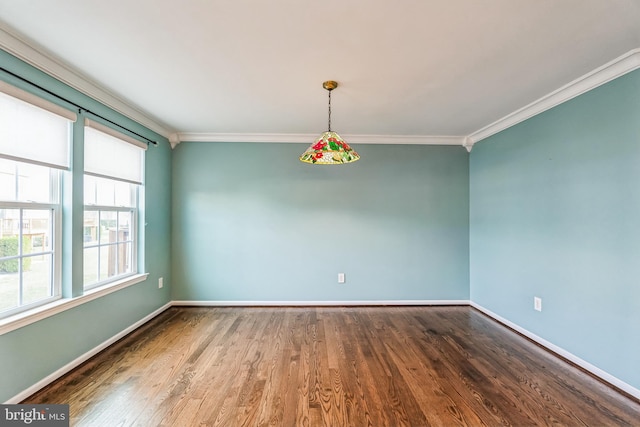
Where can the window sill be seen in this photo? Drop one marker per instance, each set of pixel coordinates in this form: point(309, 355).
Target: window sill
point(28, 317)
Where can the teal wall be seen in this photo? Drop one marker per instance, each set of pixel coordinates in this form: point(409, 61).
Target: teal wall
point(252, 223)
point(555, 213)
point(547, 208)
point(29, 354)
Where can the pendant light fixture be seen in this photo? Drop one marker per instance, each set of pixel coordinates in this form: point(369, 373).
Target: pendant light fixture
point(329, 148)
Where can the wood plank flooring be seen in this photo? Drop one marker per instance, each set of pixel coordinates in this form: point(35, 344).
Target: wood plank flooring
point(328, 366)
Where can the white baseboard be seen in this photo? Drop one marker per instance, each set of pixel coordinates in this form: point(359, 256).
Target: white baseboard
point(616, 382)
point(83, 358)
point(632, 391)
point(86, 356)
point(316, 303)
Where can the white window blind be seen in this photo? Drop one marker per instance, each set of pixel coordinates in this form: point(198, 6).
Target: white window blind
point(110, 154)
point(32, 129)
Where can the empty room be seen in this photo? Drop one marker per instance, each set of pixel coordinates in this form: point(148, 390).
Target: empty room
point(338, 213)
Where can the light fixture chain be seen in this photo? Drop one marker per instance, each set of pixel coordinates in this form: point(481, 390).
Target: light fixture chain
point(329, 111)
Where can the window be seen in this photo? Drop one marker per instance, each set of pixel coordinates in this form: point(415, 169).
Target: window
point(27, 230)
point(113, 179)
point(110, 217)
point(34, 149)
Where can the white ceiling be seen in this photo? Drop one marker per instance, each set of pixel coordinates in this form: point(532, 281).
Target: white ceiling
point(408, 67)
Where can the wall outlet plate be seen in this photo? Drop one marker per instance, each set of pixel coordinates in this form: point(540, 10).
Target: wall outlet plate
point(537, 304)
point(160, 283)
point(340, 277)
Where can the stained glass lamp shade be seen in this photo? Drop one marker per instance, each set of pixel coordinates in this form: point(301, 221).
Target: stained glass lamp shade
point(329, 148)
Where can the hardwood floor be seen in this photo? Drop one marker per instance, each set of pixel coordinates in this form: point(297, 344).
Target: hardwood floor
point(346, 366)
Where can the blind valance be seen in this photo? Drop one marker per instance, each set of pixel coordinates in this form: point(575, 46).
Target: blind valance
point(111, 154)
point(32, 129)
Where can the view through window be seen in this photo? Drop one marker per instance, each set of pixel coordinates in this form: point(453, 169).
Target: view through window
point(28, 206)
point(109, 229)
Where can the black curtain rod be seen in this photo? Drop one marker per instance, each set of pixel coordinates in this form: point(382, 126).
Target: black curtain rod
point(79, 107)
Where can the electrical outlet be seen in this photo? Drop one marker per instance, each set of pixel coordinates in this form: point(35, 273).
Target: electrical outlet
point(537, 304)
point(340, 277)
point(160, 283)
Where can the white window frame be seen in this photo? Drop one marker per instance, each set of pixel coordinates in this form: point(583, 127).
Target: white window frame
point(53, 153)
point(19, 317)
point(133, 233)
point(56, 246)
point(137, 184)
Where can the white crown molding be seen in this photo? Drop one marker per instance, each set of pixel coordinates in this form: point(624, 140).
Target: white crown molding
point(36, 56)
point(468, 144)
point(292, 138)
point(618, 67)
point(308, 138)
point(405, 139)
point(174, 139)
